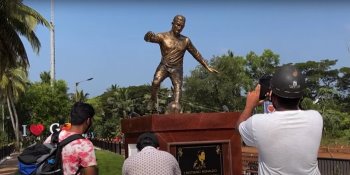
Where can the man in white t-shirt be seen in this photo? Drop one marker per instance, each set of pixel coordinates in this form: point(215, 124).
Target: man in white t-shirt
point(289, 138)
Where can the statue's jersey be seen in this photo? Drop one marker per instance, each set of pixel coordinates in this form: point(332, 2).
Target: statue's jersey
point(173, 49)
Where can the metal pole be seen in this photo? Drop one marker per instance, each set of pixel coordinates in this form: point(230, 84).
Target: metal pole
point(52, 73)
point(76, 87)
point(8, 129)
point(77, 83)
point(3, 118)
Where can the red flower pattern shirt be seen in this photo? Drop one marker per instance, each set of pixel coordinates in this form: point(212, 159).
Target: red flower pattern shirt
point(78, 153)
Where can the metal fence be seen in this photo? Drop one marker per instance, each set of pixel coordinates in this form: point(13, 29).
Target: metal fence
point(329, 166)
point(109, 145)
point(6, 150)
point(249, 163)
point(326, 165)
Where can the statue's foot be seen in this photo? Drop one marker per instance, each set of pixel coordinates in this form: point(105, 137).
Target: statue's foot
point(152, 108)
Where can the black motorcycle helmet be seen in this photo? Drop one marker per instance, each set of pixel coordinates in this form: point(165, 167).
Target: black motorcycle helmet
point(288, 82)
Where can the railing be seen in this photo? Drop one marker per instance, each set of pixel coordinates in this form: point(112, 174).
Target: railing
point(250, 163)
point(6, 150)
point(331, 160)
point(329, 166)
point(109, 145)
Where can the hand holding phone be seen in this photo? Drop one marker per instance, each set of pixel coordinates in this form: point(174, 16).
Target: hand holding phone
point(264, 82)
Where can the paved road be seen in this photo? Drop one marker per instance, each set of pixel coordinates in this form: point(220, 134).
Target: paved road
point(9, 166)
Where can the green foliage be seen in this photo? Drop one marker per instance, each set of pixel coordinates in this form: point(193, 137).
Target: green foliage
point(12, 84)
point(336, 124)
point(318, 75)
point(115, 104)
point(118, 103)
point(3, 138)
point(207, 92)
point(107, 127)
point(45, 77)
point(80, 96)
point(343, 85)
point(140, 101)
point(109, 163)
point(258, 66)
point(45, 104)
point(17, 19)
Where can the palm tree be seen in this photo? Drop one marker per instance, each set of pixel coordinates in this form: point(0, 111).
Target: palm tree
point(12, 84)
point(124, 104)
point(80, 96)
point(17, 19)
point(45, 77)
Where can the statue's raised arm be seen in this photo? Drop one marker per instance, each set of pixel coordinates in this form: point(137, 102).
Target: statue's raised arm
point(150, 36)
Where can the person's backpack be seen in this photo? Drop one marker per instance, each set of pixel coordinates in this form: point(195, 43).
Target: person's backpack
point(44, 158)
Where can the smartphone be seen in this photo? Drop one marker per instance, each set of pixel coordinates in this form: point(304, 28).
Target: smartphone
point(264, 82)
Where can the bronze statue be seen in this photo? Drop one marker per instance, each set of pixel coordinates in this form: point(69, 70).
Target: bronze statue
point(173, 46)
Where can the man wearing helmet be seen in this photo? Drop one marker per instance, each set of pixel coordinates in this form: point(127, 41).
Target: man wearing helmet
point(289, 138)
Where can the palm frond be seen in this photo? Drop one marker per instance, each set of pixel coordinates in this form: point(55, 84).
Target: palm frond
point(17, 19)
point(31, 12)
point(14, 44)
point(25, 30)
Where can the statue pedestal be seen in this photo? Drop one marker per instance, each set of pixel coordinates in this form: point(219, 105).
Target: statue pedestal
point(186, 135)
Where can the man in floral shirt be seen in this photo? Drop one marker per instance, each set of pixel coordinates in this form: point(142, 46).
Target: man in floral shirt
point(78, 155)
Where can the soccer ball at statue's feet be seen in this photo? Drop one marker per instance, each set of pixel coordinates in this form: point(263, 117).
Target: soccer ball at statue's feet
point(174, 108)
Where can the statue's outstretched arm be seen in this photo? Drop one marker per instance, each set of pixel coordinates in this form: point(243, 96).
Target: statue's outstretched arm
point(195, 53)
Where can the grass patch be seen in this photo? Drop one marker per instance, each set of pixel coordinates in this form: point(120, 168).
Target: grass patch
point(109, 163)
point(330, 141)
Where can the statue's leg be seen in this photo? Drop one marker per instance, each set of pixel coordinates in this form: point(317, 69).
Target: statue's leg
point(176, 77)
point(159, 76)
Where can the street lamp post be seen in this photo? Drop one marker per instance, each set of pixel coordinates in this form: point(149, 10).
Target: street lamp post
point(77, 98)
point(77, 83)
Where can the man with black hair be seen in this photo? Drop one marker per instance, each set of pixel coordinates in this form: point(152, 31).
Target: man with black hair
point(79, 155)
point(149, 159)
point(289, 138)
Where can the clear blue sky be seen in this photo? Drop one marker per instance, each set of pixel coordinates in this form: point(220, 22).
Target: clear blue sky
point(104, 39)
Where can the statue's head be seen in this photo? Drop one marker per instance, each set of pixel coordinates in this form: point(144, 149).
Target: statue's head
point(178, 24)
point(179, 18)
